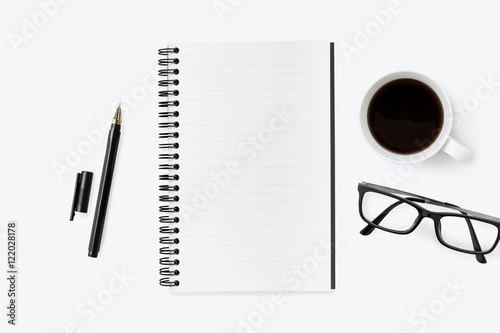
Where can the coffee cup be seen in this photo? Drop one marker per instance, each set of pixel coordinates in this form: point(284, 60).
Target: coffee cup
point(407, 118)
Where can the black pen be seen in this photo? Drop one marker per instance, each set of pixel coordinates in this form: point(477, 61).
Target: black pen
point(105, 186)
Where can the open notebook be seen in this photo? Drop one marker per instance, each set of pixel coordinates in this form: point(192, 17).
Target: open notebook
point(247, 166)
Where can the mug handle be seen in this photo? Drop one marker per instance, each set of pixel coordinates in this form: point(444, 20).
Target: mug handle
point(456, 150)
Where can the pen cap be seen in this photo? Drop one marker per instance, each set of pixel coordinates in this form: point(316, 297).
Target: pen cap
point(82, 203)
point(81, 195)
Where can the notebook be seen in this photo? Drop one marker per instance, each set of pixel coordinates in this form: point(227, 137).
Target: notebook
point(247, 166)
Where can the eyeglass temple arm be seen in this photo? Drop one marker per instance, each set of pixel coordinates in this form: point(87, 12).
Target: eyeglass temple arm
point(369, 228)
point(475, 242)
point(428, 200)
point(396, 191)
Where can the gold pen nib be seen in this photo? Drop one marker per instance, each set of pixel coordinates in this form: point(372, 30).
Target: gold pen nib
point(117, 119)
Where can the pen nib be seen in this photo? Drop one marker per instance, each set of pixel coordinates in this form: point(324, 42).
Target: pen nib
point(117, 119)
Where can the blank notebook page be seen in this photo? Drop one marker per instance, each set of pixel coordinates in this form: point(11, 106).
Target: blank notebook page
point(254, 156)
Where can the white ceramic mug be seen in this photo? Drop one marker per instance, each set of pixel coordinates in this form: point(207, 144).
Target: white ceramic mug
point(443, 141)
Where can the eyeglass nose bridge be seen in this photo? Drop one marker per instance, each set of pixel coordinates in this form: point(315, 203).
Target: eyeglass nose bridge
point(435, 219)
point(425, 213)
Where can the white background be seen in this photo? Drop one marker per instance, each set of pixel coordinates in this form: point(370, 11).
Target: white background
point(70, 74)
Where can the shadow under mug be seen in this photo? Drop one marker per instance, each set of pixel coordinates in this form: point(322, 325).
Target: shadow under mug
point(442, 142)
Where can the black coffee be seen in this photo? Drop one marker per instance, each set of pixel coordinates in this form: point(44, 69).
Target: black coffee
point(405, 116)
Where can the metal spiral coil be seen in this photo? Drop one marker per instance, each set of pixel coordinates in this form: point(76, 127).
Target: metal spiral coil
point(167, 104)
point(169, 135)
point(169, 114)
point(174, 188)
point(169, 239)
point(169, 177)
point(167, 93)
point(169, 124)
point(169, 156)
point(169, 209)
point(166, 219)
point(169, 166)
point(166, 83)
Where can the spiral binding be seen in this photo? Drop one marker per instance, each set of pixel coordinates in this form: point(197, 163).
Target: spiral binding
point(168, 232)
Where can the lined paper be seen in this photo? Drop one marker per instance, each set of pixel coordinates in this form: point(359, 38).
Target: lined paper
point(255, 200)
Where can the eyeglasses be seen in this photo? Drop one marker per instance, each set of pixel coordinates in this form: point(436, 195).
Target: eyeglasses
point(400, 213)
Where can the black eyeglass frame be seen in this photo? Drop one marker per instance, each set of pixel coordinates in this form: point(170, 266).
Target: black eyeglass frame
point(436, 216)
